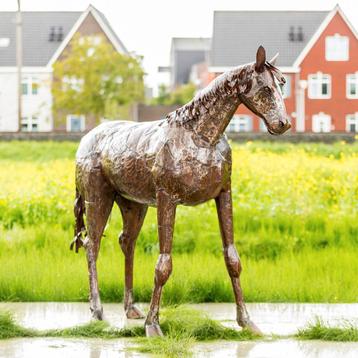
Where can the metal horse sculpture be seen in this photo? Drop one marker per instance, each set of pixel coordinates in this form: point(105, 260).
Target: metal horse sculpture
point(182, 159)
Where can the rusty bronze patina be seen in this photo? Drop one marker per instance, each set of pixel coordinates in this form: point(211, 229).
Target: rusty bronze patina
point(182, 159)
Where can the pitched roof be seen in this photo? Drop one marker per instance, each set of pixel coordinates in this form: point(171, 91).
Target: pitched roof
point(37, 49)
point(237, 35)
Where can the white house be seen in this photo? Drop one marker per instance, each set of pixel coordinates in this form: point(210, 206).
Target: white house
point(45, 36)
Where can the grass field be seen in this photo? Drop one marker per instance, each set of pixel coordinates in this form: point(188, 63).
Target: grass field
point(296, 229)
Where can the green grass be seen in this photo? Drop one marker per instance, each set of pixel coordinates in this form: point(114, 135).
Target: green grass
point(10, 329)
point(295, 212)
point(181, 326)
point(320, 330)
point(185, 322)
point(44, 274)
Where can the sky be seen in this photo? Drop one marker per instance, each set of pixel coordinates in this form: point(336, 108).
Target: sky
point(147, 26)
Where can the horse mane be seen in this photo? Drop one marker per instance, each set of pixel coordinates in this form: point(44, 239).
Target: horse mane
point(227, 84)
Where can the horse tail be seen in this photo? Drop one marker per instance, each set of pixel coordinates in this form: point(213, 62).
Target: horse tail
point(80, 228)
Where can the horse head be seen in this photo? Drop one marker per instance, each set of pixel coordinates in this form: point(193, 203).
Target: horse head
point(263, 95)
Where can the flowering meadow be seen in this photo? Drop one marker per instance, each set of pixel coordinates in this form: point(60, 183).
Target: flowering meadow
point(296, 229)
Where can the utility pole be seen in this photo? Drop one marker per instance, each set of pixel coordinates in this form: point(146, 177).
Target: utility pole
point(19, 63)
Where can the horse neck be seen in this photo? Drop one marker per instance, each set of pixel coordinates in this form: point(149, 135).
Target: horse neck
point(210, 111)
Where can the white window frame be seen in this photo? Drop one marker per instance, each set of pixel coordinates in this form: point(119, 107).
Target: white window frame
point(286, 89)
point(332, 46)
point(237, 121)
point(68, 122)
point(319, 79)
point(262, 126)
point(4, 42)
point(321, 114)
point(30, 82)
point(30, 121)
point(352, 119)
point(352, 78)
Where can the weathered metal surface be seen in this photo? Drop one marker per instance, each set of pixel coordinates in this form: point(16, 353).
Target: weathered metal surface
point(182, 159)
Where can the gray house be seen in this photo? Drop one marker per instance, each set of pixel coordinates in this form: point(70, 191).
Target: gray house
point(184, 53)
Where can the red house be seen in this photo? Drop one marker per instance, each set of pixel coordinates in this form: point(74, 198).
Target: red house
point(318, 55)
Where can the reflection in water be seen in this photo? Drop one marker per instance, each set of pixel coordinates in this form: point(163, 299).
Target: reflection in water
point(271, 318)
point(68, 348)
point(278, 318)
point(284, 318)
point(277, 349)
point(97, 348)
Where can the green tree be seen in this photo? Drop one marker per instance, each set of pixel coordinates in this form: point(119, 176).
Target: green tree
point(93, 78)
point(178, 96)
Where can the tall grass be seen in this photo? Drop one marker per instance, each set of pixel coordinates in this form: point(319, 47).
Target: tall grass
point(295, 221)
point(31, 273)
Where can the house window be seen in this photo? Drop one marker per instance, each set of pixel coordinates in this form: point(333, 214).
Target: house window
point(29, 85)
point(24, 88)
point(352, 122)
point(240, 123)
point(337, 48)
point(321, 123)
point(352, 85)
point(75, 123)
point(286, 88)
point(262, 125)
point(34, 87)
point(4, 42)
point(29, 124)
point(319, 86)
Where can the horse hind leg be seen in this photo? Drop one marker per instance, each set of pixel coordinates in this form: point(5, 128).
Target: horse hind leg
point(98, 198)
point(133, 215)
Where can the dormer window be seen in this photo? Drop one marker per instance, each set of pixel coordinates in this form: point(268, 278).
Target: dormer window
point(337, 48)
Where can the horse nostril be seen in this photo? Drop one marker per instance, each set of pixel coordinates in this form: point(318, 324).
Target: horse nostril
point(281, 124)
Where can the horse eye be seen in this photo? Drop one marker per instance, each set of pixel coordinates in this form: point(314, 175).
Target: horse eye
point(267, 89)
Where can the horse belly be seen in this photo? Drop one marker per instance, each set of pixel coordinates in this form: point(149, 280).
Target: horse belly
point(131, 177)
point(193, 184)
point(201, 185)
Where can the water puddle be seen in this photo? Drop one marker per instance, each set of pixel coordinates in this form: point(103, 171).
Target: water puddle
point(282, 319)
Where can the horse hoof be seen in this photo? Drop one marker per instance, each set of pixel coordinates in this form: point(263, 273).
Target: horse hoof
point(251, 326)
point(153, 330)
point(134, 312)
point(97, 313)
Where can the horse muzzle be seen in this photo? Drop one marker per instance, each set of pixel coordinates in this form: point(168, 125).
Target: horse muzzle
point(279, 127)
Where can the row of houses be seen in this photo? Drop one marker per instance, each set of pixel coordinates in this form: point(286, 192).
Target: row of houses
point(318, 54)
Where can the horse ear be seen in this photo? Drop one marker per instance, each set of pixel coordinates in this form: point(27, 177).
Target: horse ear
point(260, 59)
point(274, 59)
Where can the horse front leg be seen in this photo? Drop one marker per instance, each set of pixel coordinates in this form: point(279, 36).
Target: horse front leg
point(232, 259)
point(166, 218)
